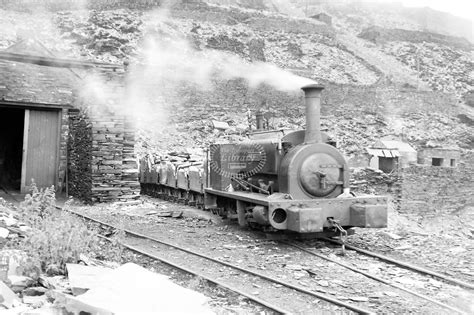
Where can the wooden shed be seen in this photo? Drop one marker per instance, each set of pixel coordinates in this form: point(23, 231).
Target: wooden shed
point(34, 101)
point(388, 155)
point(46, 138)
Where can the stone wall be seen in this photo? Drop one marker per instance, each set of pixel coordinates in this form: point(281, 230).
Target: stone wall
point(428, 191)
point(102, 163)
point(420, 191)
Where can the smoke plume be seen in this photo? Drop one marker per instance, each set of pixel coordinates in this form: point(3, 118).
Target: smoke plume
point(169, 63)
point(178, 61)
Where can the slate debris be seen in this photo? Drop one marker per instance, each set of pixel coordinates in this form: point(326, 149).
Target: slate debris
point(371, 181)
point(108, 35)
point(10, 225)
point(445, 68)
point(113, 35)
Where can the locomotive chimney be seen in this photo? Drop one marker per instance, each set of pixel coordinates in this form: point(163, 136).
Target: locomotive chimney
point(313, 107)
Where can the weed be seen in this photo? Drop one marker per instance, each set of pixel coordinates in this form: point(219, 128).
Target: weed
point(57, 237)
point(113, 249)
point(38, 204)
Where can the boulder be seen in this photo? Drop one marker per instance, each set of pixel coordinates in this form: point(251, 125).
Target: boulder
point(8, 298)
point(19, 283)
point(82, 278)
point(131, 289)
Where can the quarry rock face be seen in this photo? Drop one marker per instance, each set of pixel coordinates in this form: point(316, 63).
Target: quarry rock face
point(319, 53)
point(378, 34)
point(361, 102)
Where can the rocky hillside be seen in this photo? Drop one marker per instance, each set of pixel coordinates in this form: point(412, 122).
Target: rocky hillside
point(210, 62)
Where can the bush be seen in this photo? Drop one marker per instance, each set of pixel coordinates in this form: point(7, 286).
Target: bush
point(57, 237)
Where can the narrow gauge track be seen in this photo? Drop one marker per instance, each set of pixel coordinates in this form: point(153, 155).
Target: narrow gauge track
point(376, 278)
point(267, 304)
point(406, 265)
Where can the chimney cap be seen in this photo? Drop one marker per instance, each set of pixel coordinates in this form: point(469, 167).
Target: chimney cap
point(312, 86)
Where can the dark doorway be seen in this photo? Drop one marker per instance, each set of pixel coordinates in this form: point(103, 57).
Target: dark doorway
point(11, 147)
point(436, 161)
point(387, 165)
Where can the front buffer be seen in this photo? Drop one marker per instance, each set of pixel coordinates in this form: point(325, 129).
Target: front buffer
point(312, 216)
point(304, 216)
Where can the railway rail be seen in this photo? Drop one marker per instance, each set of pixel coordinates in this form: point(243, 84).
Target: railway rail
point(405, 265)
point(270, 305)
point(377, 278)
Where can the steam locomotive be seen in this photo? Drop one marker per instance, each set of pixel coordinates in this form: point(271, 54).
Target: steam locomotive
point(287, 182)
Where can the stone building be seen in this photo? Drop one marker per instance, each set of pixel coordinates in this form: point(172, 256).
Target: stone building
point(45, 136)
point(388, 155)
point(439, 156)
point(323, 17)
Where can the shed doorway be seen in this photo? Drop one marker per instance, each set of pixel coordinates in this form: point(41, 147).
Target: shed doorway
point(29, 147)
point(11, 147)
point(387, 165)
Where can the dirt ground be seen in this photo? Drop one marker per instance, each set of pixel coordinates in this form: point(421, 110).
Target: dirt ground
point(444, 245)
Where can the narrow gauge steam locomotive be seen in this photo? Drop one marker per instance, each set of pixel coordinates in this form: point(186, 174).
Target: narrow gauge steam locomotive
point(286, 182)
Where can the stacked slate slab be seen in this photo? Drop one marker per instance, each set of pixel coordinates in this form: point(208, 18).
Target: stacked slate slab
point(109, 156)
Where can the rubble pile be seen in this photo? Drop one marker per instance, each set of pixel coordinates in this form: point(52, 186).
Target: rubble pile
point(355, 131)
point(445, 68)
point(356, 17)
point(381, 35)
point(20, 287)
point(373, 182)
point(315, 52)
point(105, 35)
point(115, 35)
point(10, 226)
point(419, 128)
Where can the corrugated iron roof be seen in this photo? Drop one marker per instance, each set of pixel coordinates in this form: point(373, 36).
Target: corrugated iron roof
point(394, 144)
point(384, 153)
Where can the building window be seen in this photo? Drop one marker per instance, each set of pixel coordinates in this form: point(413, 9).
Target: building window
point(453, 162)
point(436, 161)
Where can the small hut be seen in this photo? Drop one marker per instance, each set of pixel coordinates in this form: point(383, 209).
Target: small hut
point(447, 156)
point(388, 155)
